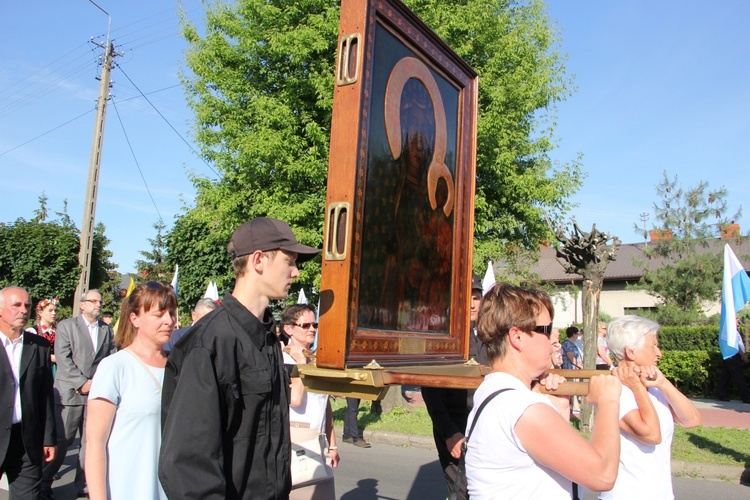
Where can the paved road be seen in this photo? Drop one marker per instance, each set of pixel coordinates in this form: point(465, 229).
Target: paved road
point(386, 472)
point(390, 472)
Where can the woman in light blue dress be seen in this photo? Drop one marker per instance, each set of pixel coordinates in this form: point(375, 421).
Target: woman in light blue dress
point(123, 428)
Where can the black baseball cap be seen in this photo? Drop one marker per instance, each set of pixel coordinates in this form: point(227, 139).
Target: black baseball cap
point(476, 283)
point(266, 234)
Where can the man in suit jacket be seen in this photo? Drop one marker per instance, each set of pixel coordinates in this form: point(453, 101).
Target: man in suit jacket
point(27, 422)
point(80, 344)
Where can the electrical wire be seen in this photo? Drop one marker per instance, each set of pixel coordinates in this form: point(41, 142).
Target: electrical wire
point(168, 123)
point(135, 159)
point(47, 132)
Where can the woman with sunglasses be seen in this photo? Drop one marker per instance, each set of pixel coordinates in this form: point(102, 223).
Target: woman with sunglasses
point(123, 428)
point(310, 413)
point(520, 446)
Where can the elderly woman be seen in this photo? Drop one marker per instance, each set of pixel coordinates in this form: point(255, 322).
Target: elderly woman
point(649, 407)
point(510, 450)
point(309, 413)
point(123, 428)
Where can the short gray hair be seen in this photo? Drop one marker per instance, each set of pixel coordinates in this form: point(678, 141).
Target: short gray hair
point(7, 289)
point(629, 332)
point(206, 303)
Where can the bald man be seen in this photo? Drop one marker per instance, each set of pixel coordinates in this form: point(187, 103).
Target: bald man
point(26, 402)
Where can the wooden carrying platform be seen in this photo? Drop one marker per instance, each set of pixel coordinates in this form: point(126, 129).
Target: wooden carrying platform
point(396, 271)
point(371, 382)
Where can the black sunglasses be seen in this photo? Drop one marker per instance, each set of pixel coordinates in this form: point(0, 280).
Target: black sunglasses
point(156, 285)
point(306, 326)
point(543, 329)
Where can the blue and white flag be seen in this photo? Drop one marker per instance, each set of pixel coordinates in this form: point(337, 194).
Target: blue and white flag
point(174, 279)
point(735, 292)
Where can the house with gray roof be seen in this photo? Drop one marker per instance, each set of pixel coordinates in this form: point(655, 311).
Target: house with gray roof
point(617, 299)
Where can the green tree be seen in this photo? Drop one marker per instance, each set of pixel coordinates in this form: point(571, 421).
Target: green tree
point(41, 255)
point(514, 49)
point(587, 255)
point(686, 274)
point(155, 267)
point(202, 256)
point(104, 275)
point(261, 81)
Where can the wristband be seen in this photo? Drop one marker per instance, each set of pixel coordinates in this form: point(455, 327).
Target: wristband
point(333, 447)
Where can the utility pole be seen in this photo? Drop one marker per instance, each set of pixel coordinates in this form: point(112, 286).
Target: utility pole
point(644, 218)
point(92, 186)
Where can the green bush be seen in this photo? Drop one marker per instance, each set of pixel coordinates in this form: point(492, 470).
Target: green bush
point(695, 373)
point(689, 338)
point(670, 315)
point(689, 371)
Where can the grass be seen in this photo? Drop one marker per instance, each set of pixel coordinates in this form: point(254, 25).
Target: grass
point(711, 445)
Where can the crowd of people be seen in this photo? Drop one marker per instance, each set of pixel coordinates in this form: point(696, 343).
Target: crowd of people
point(220, 412)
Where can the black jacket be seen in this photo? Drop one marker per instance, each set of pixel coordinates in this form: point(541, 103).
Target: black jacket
point(225, 410)
point(449, 408)
point(37, 403)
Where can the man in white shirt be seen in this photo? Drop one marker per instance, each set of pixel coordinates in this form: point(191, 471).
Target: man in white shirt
point(80, 344)
point(26, 411)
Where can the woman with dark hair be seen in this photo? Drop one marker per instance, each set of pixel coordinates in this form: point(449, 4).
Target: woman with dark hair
point(510, 451)
point(572, 353)
point(123, 428)
point(310, 413)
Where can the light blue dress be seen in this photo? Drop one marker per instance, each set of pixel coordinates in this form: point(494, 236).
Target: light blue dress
point(133, 446)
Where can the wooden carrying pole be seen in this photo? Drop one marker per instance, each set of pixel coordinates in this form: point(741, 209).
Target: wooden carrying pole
point(568, 388)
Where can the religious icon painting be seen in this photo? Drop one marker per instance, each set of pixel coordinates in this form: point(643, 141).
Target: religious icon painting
point(399, 214)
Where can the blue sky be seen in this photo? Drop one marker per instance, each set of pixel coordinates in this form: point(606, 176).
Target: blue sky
point(660, 86)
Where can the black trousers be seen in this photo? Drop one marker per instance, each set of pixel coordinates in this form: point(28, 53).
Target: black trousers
point(24, 477)
point(351, 427)
point(733, 371)
point(450, 466)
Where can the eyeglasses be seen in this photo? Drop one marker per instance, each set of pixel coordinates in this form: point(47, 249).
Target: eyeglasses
point(306, 326)
point(543, 329)
point(93, 301)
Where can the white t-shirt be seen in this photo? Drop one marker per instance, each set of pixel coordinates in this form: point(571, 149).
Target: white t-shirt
point(313, 407)
point(497, 465)
point(645, 470)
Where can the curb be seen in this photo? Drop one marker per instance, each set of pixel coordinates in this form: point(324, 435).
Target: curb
point(396, 439)
point(695, 470)
point(709, 472)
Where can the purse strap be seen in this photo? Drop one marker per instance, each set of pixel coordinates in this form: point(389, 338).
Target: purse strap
point(479, 412)
point(150, 373)
point(460, 479)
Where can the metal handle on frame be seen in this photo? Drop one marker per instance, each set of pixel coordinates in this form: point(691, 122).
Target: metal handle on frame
point(350, 50)
point(337, 222)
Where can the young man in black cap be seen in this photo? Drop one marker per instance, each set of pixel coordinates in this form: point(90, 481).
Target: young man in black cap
point(225, 403)
point(449, 408)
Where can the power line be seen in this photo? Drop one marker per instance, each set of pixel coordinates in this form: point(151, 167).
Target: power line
point(138, 165)
point(168, 123)
point(47, 132)
point(4, 91)
point(52, 85)
point(82, 115)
